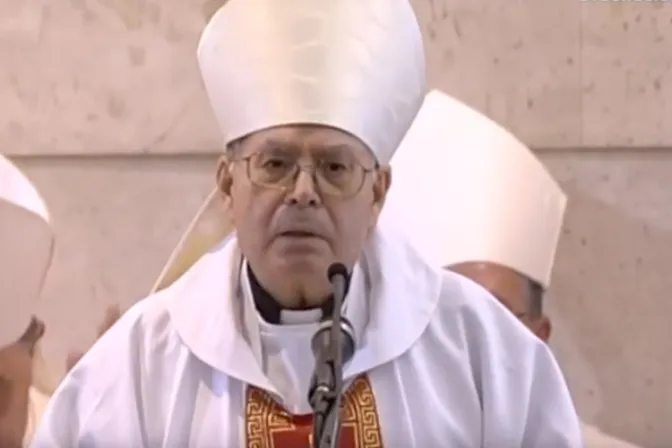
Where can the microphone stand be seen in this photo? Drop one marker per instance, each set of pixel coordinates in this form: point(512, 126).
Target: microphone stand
point(333, 344)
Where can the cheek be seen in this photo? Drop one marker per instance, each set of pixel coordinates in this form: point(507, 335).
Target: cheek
point(353, 224)
point(242, 204)
point(253, 212)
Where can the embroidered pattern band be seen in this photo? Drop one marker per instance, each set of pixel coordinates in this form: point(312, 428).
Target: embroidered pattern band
point(268, 425)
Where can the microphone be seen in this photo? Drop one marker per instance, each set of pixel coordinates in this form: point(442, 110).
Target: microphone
point(340, 281)
point(333, 345)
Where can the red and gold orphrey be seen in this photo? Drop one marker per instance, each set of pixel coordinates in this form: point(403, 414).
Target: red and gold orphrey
point(268, 425)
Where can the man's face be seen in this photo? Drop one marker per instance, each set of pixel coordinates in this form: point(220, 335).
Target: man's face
point(15, 378)
point(510, 288)
point(292, 227)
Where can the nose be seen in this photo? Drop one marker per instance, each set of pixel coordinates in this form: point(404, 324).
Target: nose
point(304, 193)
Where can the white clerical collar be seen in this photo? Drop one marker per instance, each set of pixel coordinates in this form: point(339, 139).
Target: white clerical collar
point(355, 309)
point(273, 312)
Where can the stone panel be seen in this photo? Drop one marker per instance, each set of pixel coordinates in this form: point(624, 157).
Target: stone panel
point(626, 71)
point(120, 77)
point(516, 61)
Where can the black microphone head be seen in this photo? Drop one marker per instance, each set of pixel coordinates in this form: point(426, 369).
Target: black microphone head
point(337, 269)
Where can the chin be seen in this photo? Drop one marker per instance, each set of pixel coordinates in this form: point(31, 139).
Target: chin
point(302, 269)
point(302, 259)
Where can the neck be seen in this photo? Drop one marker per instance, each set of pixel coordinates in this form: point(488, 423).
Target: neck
point(271, 309)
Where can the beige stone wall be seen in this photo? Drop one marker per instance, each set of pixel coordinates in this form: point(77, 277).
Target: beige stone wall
point(113, 76)
point(102, 105)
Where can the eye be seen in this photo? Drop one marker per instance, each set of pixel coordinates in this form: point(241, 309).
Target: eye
point(274, 164)
point(335, 167)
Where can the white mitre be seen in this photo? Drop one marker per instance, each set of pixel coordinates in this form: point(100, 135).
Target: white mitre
point(465, 189)
point(347, 64)
point(353, 65)
point(27, 242)
point(26, 250)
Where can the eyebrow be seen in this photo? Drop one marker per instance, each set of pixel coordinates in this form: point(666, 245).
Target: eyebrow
point(293, 145)
point(340, 150)
point(365, 159)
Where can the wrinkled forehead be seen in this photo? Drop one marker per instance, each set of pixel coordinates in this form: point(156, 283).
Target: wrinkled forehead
point(306, 139)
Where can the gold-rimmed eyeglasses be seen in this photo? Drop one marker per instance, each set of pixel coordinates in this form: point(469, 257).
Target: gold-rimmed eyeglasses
point(337, 176)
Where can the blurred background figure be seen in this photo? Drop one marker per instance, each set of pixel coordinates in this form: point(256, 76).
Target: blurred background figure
point(495, 216)
point(26, 250)
point(26, 253)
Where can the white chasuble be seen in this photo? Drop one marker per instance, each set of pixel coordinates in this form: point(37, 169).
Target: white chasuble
point(439, 362)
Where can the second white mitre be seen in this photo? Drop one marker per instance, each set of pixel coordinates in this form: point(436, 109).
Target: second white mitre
point(465, 189)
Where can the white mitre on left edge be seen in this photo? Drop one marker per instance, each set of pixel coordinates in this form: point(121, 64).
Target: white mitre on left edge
point(347, 64)
point(27, 242)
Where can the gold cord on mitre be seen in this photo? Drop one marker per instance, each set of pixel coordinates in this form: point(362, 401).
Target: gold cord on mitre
point(466, 190)
point(210, 226)
point(27, 242)
point(347, 64)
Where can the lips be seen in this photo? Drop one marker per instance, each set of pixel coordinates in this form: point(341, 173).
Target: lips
point(299, 234)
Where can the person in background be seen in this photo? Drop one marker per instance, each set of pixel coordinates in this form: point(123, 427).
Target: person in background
point(26, 250)
point(314, 98)
point(495, 214)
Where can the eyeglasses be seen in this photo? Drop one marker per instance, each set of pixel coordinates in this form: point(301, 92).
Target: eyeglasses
point(333, 176)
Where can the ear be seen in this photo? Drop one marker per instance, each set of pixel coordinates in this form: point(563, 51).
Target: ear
point(543, 328)
point(224, 179)
point(381, 186)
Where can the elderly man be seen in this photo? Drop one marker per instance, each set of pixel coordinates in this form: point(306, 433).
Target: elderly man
point(26, 248)
point(500, 213)
point(314, 98)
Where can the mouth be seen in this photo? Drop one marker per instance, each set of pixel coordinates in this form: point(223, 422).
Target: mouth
point(299, 234)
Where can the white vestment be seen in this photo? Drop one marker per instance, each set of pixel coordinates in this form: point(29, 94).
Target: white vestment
point(447, 364)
